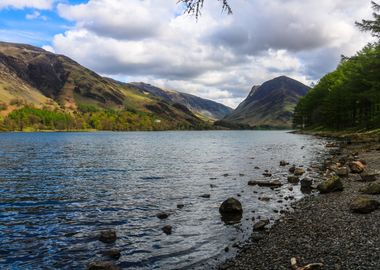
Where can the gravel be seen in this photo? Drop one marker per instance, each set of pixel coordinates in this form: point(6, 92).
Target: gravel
point(322, 229)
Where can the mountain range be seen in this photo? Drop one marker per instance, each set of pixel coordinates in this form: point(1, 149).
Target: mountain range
point(33, 77)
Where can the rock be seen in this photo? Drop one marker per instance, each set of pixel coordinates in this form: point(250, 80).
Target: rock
point(293, 179)
point(167, 229)
point(306, 182)
point(274, 183)
point(342, 171)
point(162, 215)
point(332, 184)
point(264, 199)
point(260, 225)
point(226, 174)
point(108, 236)
point(292, 169)
point(241, 174)
point(231, 206)
point(206, 196)
point(364, 205)
point(226, 249)
point(113, 253)
point(257, 168)
point(180, 205)
point(299, 171)
point(283, 163)
point(231, 210)
point(356, 167)
point(372, 189)
point(102, 266)
point(368, 176)
point(267, 174)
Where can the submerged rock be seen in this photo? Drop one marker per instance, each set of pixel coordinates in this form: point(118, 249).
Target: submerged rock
point(102, 266)
point(372, 189)
point(180, 205)
point(293, 179)
point(332, 184)
point(364, 205)
point(167, 229)
point(267, 174)
point(113, 253)
point(283, 163)
point(108, 236)
point(231, 210)
point(206, 196)
point(274, 183)
point(162, 215)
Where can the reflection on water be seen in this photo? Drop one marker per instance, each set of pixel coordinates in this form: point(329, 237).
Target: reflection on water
point(58, 190)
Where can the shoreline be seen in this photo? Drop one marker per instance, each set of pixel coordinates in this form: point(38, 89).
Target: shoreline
point(322, 229)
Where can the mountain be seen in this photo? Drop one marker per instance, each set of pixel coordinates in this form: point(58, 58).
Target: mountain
point(202, 107)
point(33, 77)
point(270, 104)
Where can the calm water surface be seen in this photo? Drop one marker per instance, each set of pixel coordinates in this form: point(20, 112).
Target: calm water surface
point(58, 190)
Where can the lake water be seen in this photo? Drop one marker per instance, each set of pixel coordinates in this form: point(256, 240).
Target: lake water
point(58, 190)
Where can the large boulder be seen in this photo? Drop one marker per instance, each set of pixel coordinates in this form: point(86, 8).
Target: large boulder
point(331, 184)
point(372, 189)
point(231, 210)
point(364, 205)
point(356, 167)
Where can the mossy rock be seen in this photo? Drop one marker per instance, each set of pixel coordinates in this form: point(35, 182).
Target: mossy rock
point(364, 205)
point(373, 189)
point(332, 184)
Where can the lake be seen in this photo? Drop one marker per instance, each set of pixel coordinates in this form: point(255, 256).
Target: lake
point(58, 190)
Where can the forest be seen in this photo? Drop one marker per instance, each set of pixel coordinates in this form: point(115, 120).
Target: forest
point(349, 97)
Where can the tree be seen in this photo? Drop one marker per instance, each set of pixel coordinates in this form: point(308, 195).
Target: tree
point(372, 26)
point(195, 6)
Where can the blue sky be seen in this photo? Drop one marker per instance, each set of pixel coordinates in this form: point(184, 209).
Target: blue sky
point(219, 57)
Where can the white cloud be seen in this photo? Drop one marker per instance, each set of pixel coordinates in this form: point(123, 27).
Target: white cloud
point(35, 15)
point(21, 4)
point(48, 48)
point(219, 57)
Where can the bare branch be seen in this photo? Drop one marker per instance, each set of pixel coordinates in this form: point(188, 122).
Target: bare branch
point(195, 6)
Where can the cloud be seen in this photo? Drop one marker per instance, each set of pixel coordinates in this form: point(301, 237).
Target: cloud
point(218, 57)
point(21, 4)
point(35, 15)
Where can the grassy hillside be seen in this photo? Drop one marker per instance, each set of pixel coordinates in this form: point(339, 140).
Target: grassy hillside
point(35, 83)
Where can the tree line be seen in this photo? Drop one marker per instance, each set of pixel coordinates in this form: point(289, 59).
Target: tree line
point(348, 97)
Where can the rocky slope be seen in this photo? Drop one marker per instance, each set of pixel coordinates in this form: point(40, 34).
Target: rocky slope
point(202, 107)
point(269, 105)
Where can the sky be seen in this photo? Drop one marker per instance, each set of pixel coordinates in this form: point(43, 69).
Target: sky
point(218, 56)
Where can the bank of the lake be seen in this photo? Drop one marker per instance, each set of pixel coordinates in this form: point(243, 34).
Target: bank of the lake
point(323, 229)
